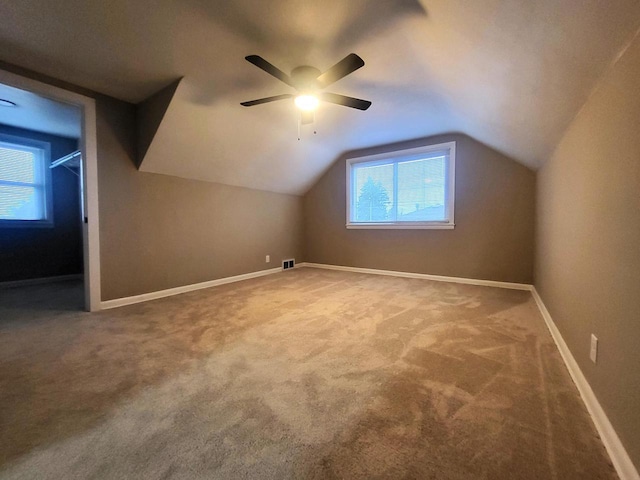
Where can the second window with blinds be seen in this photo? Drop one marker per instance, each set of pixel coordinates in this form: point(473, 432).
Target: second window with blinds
point(413, 188)
point(25, 183)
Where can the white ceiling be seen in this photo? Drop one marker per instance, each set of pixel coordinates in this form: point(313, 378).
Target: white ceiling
point(38, 113)
point(511, 73)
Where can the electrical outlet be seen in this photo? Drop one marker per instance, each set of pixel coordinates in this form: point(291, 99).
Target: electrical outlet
point(593, 353)
point(267, 259)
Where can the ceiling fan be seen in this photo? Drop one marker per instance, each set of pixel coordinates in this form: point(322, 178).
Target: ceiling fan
point(309, 81)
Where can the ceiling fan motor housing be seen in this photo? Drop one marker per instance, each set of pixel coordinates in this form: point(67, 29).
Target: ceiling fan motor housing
point(305, 78)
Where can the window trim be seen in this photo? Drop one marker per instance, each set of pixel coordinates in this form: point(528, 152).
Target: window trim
point(396, 156)
point(47, 222)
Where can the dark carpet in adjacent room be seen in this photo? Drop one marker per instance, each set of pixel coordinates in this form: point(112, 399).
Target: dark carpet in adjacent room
point(306, 374)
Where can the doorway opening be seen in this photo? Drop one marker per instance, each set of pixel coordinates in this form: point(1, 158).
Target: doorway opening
point(48, 187)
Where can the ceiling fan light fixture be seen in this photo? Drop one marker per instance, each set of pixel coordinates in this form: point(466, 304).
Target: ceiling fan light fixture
point(308, 81)
point(308, 103)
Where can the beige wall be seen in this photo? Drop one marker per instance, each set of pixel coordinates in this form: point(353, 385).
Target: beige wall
point(159, 232)
point(588, 243)
point(494, 216)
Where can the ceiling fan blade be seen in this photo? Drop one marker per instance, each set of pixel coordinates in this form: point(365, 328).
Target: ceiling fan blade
point(345, 101)
point(260, 101)
point(261, 63)
point(344, 67)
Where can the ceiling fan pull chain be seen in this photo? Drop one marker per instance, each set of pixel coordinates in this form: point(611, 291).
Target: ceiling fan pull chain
point(299, 125)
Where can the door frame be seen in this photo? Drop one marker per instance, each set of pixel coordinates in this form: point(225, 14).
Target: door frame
point(89, 148)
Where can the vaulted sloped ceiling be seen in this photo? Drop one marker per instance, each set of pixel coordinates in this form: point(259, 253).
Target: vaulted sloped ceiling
point(511, 73)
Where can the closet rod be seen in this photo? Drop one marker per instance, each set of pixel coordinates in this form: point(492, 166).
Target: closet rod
point(65, 159)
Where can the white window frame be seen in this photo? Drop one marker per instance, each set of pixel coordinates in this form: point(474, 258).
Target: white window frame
point(396, 157)
point(44, 148)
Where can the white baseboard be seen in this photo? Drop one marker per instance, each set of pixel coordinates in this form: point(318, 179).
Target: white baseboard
point(39, 281)
point(121, 302)
point(425, 276)
point(619, 456)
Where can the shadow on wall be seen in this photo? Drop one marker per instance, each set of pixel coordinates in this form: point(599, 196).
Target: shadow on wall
point(149, 115)
point(116, 123)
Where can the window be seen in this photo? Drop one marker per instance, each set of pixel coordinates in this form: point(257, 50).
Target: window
point(25, 183)
point(411, 188)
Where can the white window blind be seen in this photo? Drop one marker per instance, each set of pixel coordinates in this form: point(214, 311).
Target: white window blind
point(410, 189)
point(23, 187)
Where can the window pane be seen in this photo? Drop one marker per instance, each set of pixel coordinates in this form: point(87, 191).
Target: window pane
point(21, 203)
point(373, 190)
point(402, 189)
point(421, 190)
point(17, 165)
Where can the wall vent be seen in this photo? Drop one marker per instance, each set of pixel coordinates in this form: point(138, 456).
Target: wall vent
point(287, 264)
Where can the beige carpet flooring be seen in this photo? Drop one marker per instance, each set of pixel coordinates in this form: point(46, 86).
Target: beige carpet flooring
point(306, 374)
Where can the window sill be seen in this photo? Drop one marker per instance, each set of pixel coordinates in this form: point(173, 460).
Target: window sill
point(399, 226)
point(26, 224)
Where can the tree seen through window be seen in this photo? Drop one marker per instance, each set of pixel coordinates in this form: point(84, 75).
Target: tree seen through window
point(373, 202)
